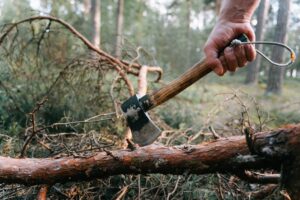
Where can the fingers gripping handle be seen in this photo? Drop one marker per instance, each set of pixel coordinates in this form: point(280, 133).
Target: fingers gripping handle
point(195, 73)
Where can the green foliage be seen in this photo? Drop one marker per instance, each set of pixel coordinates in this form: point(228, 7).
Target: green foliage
point(41, 66)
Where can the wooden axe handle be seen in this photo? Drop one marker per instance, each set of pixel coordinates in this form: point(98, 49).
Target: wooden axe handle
point(165, 93)
point(199, 70)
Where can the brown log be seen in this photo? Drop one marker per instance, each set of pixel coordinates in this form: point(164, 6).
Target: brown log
point(223, 155)
point(283, 144)
point(228, 155)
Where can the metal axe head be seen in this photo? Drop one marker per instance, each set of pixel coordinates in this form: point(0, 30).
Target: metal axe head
point(144, 131)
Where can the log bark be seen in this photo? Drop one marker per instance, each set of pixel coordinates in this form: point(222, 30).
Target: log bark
point(274, 150)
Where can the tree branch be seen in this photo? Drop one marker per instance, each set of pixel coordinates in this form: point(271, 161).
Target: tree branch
point(121, 66)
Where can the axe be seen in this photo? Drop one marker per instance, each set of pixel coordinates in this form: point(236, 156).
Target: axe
point(144, 131)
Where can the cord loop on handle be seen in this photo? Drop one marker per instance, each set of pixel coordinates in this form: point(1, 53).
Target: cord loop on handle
point(237, 42)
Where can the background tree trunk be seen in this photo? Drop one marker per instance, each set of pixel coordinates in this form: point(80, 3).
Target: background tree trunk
point(120, 23)
point(96, 22)
point(188, 31)
point(86, 7)
point(253, 67)
point(275, 77)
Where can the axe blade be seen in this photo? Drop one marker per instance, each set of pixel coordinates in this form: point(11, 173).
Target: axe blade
point(143, 129)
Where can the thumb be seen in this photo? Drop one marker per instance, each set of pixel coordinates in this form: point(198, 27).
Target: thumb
point(215, 64)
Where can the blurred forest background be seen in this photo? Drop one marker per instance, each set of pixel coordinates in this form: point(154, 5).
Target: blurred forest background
point(57, 94)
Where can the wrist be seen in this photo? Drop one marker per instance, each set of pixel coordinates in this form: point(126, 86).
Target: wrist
point(237, 11)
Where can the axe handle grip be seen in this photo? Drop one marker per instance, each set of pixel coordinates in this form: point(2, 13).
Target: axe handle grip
point(195, 73)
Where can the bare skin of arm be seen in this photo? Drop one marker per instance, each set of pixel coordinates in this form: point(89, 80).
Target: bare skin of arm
point(234, 20)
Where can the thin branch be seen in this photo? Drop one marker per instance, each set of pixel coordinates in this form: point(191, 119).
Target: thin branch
point(122, 193)
point(175, 188)
point(116, 63)
point(34, 131)
point(254, 177)
point(285, 194)
point(42, 195)
point(262, 193)
point(214, 133)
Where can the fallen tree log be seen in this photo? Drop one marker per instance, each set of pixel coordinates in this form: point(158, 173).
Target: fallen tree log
point(274, 150)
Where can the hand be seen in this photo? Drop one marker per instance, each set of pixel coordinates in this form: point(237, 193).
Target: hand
point(234, 20)
point(232, 57)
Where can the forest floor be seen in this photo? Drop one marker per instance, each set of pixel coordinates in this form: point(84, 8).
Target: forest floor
point(225, 104)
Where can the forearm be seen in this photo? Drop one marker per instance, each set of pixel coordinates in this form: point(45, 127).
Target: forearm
point(238, 11)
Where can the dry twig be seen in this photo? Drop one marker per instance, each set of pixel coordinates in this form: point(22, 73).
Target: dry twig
point(42, 195)
point(33, 127)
